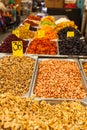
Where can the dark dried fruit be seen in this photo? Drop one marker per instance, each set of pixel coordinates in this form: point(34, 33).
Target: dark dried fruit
point(72, 46)
point(62, 34)
point(6, 46)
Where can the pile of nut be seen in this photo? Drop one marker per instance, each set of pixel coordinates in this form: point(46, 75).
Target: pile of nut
point(18, 113)
point(16, 74)
point(59, 79)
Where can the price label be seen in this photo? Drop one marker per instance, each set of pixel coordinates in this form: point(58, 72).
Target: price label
point(70, 34)
point(17, 48)
point(41, 33)
point(16, 32)
point(27, 25)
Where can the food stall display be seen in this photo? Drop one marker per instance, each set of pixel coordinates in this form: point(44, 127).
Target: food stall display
point(52, 69)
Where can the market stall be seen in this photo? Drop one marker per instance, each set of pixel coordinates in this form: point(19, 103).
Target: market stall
point(43, 76)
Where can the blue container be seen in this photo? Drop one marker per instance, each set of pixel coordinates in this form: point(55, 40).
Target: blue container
point(80, 4)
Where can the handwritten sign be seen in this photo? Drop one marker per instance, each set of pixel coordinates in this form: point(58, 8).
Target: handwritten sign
point(27, 25)
point(41, 33)
point(70, 34)
point(17, 48)
point(16, 32)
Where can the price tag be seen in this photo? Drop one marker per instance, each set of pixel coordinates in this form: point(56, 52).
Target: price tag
point(16, 32)
point(17, 48)
point(41, 33)
point(27, 25)
point(70, 34)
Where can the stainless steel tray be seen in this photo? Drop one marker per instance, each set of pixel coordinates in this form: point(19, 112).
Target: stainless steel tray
point(2, 55)
point(57, 58)
point(36, 59)
point(59, 101)
point(43, 54)
point(82, 57)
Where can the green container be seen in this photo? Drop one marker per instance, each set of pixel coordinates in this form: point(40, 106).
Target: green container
point(11, 1)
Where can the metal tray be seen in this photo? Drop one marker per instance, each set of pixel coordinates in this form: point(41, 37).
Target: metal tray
point(82, 57)
point(57, 58)
point(33, 73)
point(56, 101)
point(81, 64)
point(2, 55)
point(43, 54)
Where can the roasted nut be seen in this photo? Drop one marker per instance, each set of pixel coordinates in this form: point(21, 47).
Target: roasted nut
point(59, 79)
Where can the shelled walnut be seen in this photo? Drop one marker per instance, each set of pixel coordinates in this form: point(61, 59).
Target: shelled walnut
point(16, 74)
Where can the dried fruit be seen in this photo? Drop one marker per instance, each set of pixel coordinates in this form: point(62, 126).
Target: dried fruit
point(42, 46)
point(28, 114)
